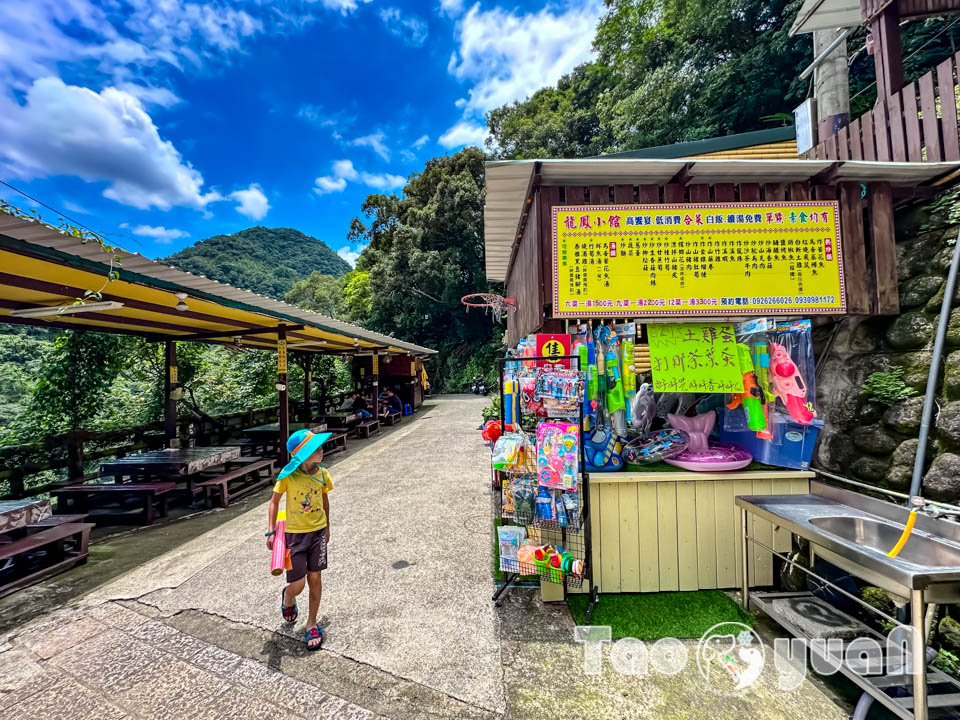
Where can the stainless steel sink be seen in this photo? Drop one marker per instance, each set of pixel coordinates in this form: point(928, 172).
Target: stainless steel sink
point(855, 532)
point(883, 536)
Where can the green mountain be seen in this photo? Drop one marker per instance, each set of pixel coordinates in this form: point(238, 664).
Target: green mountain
point(267, 261)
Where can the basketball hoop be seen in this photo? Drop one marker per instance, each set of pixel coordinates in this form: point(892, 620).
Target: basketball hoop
point(497, 304)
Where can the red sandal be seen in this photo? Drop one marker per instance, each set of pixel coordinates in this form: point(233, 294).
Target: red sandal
point(315, 633)
point(289, 612)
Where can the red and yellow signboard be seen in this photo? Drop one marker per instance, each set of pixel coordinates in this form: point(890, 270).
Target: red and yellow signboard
point(553, 346)
point(708, 260)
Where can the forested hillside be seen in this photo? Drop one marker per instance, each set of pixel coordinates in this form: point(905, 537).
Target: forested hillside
point(267, 261)
point(670, 71)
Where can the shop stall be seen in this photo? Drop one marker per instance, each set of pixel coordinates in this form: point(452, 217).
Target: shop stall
point(670, 302)
point(404, 375)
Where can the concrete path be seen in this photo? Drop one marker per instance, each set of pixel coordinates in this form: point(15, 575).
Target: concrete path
point(411, 632)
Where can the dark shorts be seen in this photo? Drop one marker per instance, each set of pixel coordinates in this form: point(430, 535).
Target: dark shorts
point(308, 552)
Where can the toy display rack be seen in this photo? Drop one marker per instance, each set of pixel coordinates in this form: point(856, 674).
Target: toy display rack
point(575, 538)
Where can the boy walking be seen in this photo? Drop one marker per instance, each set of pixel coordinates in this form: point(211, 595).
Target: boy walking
point(306, 484)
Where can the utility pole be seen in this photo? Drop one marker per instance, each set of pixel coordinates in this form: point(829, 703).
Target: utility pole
point(831, 84)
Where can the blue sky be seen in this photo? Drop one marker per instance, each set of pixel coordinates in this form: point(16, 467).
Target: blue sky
point(161, 122)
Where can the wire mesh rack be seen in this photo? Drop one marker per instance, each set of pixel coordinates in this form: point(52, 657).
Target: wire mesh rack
point(560, 556)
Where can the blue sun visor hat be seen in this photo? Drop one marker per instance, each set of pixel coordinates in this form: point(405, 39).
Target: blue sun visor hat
point(301, 445)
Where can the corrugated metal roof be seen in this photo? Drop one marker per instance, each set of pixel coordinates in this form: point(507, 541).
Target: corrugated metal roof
point(697, 148)
point(154, 274)
point(826, 15)
point(507, 182)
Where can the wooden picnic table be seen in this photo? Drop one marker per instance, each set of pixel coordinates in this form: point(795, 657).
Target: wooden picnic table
point(342, 419)
point(272, 430)
point(16, 514)
point(170, 462)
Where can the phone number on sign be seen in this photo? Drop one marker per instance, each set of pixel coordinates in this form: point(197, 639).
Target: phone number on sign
point(793, 300)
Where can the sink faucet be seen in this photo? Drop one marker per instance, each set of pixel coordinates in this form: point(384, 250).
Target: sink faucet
point(920, 505)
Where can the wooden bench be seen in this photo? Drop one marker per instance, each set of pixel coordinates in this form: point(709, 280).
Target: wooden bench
point(64, 544)
point(153, 496)
point(367, 428)
point(55, 520)
point(250, 477)
point(391, 418)
point(336, 443)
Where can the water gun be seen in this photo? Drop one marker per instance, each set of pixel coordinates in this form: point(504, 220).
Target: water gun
point(615, 399)
point(629, 376)
point(761, 368)
point(788, 385)
point(280, 556)
point(592, 390)
point(614, 384)
point(752, 396)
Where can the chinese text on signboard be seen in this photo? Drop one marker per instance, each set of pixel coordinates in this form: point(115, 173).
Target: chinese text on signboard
point(682, 260)
point(694, 357)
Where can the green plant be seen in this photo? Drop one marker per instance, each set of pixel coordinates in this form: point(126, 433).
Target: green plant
point(492, 411)
point(947, 662)
point(888, 387)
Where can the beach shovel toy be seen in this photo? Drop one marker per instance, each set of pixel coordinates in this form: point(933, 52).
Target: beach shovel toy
point(280, 559)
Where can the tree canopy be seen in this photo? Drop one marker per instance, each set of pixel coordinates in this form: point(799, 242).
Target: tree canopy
point(424, 252)
point(670, 71)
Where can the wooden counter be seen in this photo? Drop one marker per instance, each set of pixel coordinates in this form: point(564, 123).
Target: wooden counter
point(664, 531)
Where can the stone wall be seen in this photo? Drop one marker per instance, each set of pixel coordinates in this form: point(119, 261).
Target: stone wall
point(873, 441)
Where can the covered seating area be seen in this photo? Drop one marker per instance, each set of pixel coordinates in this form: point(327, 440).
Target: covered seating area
point(50, 279)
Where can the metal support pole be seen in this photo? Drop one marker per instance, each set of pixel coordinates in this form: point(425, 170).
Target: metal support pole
point(918, 647)
point(283, 414)
point(929, 399)
point(745, 583)
point(170, 384)
point(376, 386)
point(307, 414)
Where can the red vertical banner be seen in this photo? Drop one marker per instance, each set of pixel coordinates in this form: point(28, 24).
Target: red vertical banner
point(553, 346)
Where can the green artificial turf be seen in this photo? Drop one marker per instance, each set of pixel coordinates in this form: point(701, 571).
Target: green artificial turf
point(651, 616)
point(661, 466)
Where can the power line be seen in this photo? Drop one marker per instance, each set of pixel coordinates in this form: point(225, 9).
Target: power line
point(910, 55)
point(62, 214)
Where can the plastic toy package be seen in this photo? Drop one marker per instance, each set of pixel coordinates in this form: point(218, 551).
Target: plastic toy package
point(560, 391)
point(654, 447)
point(510, 538)
point(558, 455)
point(752, 410)
point(515, 453)
point(793, 369)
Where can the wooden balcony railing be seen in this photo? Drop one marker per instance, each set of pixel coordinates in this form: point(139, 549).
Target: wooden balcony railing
point(917, 124)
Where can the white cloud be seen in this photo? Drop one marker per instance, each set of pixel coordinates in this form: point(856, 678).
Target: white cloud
point(344, 6)
point(251, 202)
point(464, 133)
point(161, 234)
point(344, 171)
point(74, 208)
point(107, 136)
point(410, 28)
point(150, 95)
point(117, 41)
point(507, 56)
point(375, 143)
point(327, 184)
point(421, 141)
point(349, 255)
point(383, 181)
point(453, 8)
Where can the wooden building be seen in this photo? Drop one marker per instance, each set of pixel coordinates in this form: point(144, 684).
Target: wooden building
point(677, 531)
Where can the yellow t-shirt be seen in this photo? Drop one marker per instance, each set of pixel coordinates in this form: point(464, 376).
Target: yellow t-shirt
point(305, 499)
